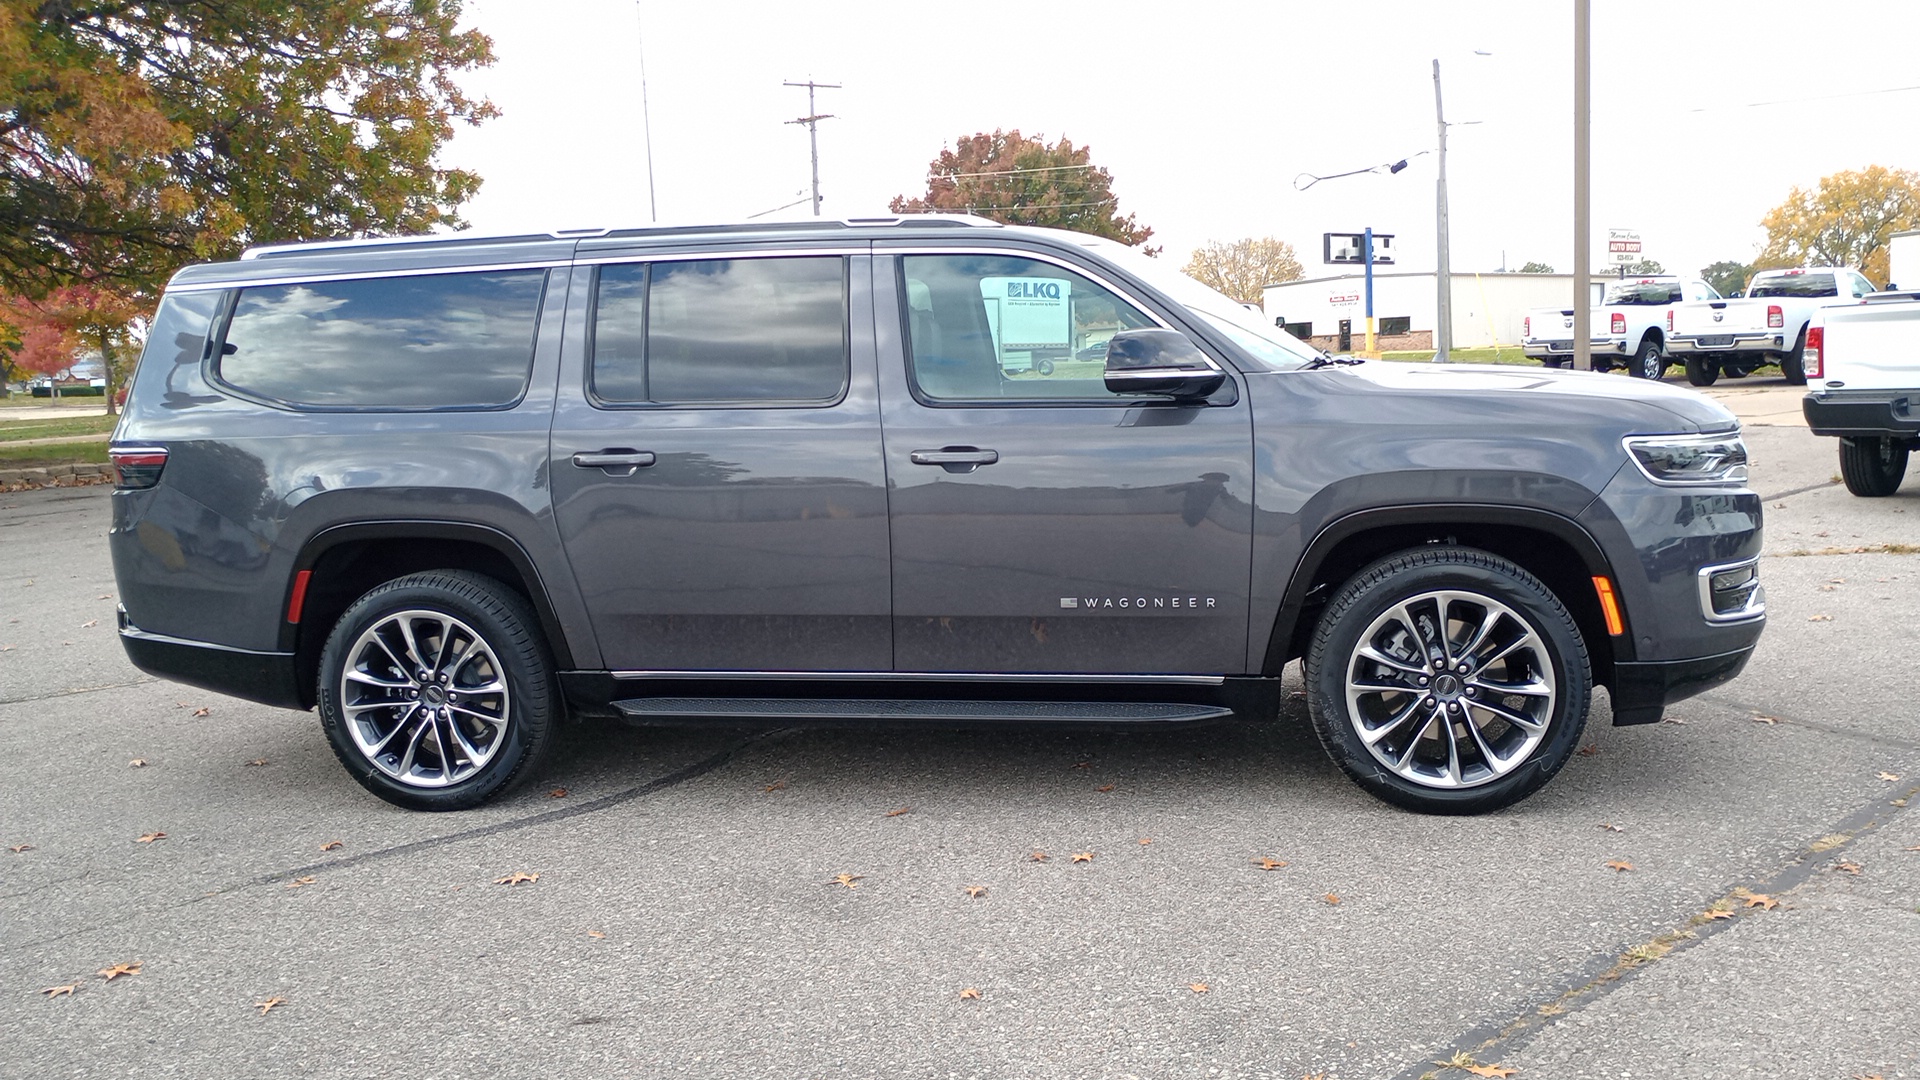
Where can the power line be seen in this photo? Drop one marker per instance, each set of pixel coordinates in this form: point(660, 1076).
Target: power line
point(1797, 101)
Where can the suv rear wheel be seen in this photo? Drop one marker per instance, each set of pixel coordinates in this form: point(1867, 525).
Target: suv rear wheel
point(1649, 362)
point(435, 690)
point(1448, 681)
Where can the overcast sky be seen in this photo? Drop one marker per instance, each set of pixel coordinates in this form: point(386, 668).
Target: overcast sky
point(1204, 113)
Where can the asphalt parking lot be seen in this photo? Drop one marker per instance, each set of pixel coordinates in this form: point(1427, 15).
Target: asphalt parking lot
point(686, 920)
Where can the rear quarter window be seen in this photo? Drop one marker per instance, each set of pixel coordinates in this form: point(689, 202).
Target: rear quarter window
point(433, 341)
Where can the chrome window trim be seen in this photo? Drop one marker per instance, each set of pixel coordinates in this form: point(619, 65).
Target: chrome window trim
point(923, 676)
point(1756, 600)
point(717, 252)
point(370, 275)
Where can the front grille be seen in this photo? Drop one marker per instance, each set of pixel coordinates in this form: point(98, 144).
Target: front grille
point(1731, 593)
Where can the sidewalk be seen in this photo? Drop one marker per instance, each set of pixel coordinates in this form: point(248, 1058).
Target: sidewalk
point(1776, 405)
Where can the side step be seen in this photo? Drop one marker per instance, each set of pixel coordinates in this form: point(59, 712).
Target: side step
point(659, 709)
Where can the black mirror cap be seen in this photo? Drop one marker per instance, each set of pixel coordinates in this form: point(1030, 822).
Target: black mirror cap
point(1156, 361)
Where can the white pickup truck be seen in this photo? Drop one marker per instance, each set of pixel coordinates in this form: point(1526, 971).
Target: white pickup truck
point(1628, 327)
point(1863, 361)
point(1767, 326)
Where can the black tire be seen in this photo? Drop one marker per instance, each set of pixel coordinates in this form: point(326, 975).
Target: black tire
point(474, 663)
point(1044, 367)
point(1502, 628)
point(1702, 370)
point(1873, 468)
point(1650, 362)
point(1792, 368)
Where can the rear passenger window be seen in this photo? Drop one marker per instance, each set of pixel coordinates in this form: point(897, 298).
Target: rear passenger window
point(721, 331)
point(431, 341)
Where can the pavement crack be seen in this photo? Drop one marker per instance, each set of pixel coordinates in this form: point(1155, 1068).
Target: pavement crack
point(1602, 975)
point(72, 691)
point(1813, 725)
point(1800, 490)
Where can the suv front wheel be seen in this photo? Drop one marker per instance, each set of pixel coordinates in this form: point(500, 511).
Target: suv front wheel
point(435, 690)
point(1448, 680)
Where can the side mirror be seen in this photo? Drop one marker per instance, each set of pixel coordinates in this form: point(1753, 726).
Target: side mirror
point(1736, 294)
point(1155, 361)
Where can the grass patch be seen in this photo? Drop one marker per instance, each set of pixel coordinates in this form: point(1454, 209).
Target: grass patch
point(23, 400)
point(36, 457)
point(53, 429)
point(1504, 355)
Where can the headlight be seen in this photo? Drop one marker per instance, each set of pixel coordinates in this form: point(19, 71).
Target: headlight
point(1690, 459)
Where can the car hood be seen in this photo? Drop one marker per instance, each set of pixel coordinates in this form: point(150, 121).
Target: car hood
point(1636, 403)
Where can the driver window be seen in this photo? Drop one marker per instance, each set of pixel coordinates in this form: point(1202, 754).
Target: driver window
point(997, 327)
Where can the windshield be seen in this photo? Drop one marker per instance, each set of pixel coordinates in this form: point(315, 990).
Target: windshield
point(1635, 293)
point(1269, 345)
point(1796, 285)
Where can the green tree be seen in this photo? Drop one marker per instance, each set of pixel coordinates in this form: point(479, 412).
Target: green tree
point(1243, 268)
point(1635, 268)
point(1025, 181)
point(1532, 267)
point(1846, 221)
point(1727, 276)
point(136, 135)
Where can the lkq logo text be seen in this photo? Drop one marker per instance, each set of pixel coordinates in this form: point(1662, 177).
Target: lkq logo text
point(1033, 290)
point(1135, 603)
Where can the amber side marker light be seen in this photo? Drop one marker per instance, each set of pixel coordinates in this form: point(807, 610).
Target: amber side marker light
point(1609, 606)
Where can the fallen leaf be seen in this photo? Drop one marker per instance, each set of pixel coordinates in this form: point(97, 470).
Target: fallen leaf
point(1672, 720)
point(1848, 867)
point(89, 624)
point(975, 892)
point(847, 880)
point(1838, 580)
point(1331, 898)
point(777, 785)
point(137, 763)
point(1779, 506)
point(60, 991)
point(104, 596)
point(1083, 856)
point(902, 810)
point(300, 882)
point(257, 762)
point(1039, 856)
point(18, 848)
point(269, 1005)
point(1268, 863)
point(518, 877)
point(148, 838)
point(1496, 1072)
point(1198, 988)
point(1621, 865)
point(1716, 913)
point(203, 711)
point(1588, 750)
point(118, 970)
point(1104, 787)
point(595, 934)
point(557, 793)
point(1766, 719)
point(1145, 840)
point(1083, 764)
point(1888, 777)
point(1819, 618)
point(1762, 901)
point(331, 845)
point(971, 993)
point(1610, 827)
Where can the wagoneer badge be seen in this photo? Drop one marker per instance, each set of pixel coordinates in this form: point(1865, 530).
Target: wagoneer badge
point(1182, 602)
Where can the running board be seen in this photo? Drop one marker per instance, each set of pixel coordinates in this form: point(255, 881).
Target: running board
point(659, 709)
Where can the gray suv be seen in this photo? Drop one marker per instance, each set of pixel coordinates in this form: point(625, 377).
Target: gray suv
point(905, 470)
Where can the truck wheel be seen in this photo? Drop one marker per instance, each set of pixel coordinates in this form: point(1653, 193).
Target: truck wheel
point(1873, 467)
point(1702, 370)
point(435, 690)
point(1447, 680)
point(1649, 362)
point(1791, 367)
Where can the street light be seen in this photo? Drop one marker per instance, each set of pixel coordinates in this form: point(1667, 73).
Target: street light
point(1443, 269)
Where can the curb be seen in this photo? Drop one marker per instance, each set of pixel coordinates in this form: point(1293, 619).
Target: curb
point(55, 476)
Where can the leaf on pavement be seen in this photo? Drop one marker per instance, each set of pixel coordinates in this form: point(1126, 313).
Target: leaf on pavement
point(596, 934)
point(1848, 867)
point(1610, 827)
point(1819, 618)
point(1888, 777)
point(331, 845)
point(518, 877)
point(300, 882)
point(1145, 840)
point(1331, 898)
point(1588, 750)
point(148, 838)
point(1497, 1072)
point(847, 880)
point(1104, 787)
point(1620, 865)
point(1766, 719)
point(1672, 720)
point(137, 763)
point(203, 711)
point(1716, 913)
point(257, 762)
point(1269, 863)
point(971, 993)
point(269, 1005)
point(118, 970)
point(1083, 856)
point(902, 810)
point(1039, 856)
point(61, 991)
point(1762, 901)
point(1198, 987)
point(18, 848)
point(777, 785)
point(90, 624)
point(557, 793)
point(975, 892)
point(1083, 764)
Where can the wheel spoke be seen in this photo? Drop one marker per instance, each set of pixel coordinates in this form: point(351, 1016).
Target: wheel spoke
point(1453, 747)
point(446, 645)
point(1373, 735)
point(1406, 752)
point(488, 718)
point(1520, 720)
point(1413, 631)
point(413, 646)
point(413, 747)
point(398, 726)
point(471, 752)
point(1530, 688)
point(1480, 635)
point(356, 675)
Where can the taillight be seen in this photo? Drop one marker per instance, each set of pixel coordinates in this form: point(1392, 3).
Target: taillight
point(1619, 323)
point(1774, 319)
point(137, 466)
point(1669, 320)
point(1526, 326)
point(1810, 353)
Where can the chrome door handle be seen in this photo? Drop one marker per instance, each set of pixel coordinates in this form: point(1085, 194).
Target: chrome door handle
point(618, 461)
point(954, 455)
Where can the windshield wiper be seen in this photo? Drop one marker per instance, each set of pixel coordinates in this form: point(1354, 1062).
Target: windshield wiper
point(1327, 359)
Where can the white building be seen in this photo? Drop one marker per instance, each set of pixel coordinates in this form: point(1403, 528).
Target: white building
point(1487, 307)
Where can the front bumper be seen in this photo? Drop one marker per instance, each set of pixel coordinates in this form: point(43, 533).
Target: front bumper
point(270, 678)
point(1642, 690)
point(1863, 413)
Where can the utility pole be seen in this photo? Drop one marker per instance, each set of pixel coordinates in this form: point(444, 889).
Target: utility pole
point(1443, 270)
point(812, 120)
point(646, 117)
point(1582, 194)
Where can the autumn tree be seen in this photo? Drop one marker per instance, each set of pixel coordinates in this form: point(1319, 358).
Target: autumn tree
point(1018, 180)
point(1243, 268)
point(1533, 267)
point(60, 327)
point(1846, 221)
point(137, 135)
point(1727, 276)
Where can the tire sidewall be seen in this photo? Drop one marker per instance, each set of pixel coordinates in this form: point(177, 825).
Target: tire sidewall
point(1649, 364)
point(494, 612)
point(1384, 585)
